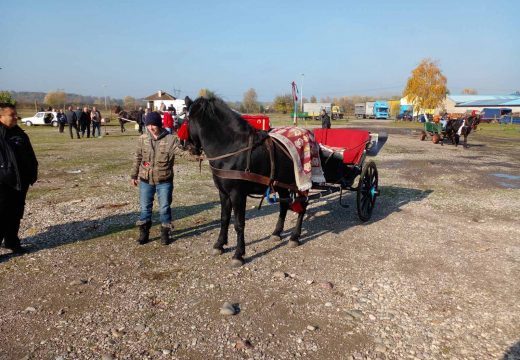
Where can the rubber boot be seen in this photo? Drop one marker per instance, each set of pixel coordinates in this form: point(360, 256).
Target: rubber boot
point(165, 234)
point(144, 232)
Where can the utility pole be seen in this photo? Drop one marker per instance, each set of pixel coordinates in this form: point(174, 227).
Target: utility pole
point(104, 86)
point(301, 99)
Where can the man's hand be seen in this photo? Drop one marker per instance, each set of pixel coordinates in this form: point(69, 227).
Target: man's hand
point(134, 182)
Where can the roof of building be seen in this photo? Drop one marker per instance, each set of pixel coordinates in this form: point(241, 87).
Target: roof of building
point(160, 95)
point(480, 103)
point(499, 99)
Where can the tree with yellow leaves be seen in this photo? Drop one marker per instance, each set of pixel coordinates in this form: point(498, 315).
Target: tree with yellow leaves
point(426, 87)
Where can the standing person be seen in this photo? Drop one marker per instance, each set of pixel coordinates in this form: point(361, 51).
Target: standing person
point(62, 120)
point(153, 171)
point(140, 119)
point(95, 117)
point(325, 119)
point(72, 121)
point(84, 122)
point(78, 113)
point(168, 121)
point(18, 170)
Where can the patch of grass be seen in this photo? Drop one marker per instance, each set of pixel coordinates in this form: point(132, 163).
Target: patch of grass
point(509, 131)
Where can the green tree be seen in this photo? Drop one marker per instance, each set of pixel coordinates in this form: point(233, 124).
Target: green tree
point(250, 102)
point(426, 87)
point(283, 103)
point(55, 98)
point(206, 93)
point(5, 97)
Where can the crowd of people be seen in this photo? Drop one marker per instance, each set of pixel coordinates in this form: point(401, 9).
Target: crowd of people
point(80, 121)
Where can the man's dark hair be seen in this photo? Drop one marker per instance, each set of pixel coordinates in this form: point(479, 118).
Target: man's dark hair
point(7, 105)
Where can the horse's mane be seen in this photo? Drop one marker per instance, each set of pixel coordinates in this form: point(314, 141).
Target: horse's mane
point(214, 110)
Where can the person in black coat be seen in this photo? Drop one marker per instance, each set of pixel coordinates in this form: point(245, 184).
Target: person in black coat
point(325, 119)
point(72, 120)
point(18, 170)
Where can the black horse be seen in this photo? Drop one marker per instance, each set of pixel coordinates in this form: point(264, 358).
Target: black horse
point(127, 116)
point(465, 125)
point(225, 138)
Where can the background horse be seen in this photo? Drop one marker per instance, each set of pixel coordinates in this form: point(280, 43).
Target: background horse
point(224, 135)
point(465, 125)
point(126, 116)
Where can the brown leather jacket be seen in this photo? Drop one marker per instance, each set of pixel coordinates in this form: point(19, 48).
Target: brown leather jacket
point(154, 158)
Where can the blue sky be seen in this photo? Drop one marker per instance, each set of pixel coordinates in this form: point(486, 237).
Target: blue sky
point(344, 48)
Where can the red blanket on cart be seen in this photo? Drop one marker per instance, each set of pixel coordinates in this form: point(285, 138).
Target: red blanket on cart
point(305, 153)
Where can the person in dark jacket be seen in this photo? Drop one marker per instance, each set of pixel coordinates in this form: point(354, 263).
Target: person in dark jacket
point(84, 122)
point(325, 119)
point(140, 119)
point(18, 170)
point(62, 120)
point(72, 120)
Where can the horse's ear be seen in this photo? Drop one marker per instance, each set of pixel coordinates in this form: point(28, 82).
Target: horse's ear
point(188, 102)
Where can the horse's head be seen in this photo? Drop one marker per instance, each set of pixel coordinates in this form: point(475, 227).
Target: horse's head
point(192, 128)
point(117, 109)
point(474, 121)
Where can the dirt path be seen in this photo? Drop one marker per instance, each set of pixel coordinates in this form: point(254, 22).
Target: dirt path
point(434, 274)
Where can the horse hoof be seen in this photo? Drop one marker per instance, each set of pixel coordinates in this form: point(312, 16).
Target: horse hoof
point(217, 252)
point(293, 243)
point(275, 238)
point(236, 263)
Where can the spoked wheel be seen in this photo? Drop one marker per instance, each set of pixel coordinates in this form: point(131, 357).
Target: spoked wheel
point(367, 191)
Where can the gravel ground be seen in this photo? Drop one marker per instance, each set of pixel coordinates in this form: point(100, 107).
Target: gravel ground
point(433, 275)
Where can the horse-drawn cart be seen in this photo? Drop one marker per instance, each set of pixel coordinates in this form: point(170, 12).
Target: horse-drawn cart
point(351, 147)
point(434, 130)
point(247, 162)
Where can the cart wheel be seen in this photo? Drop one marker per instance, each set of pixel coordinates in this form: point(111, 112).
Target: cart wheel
point(367, 191)
point(423, 136)
point(436, 138)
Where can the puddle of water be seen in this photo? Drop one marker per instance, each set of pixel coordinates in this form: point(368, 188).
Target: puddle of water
point(506, 176)
point(508, 186)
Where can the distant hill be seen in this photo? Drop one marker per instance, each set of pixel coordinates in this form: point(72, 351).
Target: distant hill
point(30, 97)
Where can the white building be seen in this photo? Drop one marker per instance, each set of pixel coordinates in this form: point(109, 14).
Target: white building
point(156, 101)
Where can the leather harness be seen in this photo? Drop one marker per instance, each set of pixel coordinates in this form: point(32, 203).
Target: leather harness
point(247, 174)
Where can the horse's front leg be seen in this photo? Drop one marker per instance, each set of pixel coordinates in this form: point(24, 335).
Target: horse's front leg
point(465, 141)
point(295, 235)
point(284, 206)
point(225, 217)
point(238, 202)
point(122, 124)
point(457, 140)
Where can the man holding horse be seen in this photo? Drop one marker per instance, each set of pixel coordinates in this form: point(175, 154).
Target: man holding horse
point(152, 170)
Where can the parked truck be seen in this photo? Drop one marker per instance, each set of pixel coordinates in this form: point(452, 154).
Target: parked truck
point(364, 110)
point(313, 110)
point(381, 109)
point(372, 110)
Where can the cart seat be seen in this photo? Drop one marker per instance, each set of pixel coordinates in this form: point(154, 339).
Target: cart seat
point(351, 142)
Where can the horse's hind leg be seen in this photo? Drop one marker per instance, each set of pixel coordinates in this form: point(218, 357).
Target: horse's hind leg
point(122, 126)
point(238, 202)
point(295, 236)
point(465, 141)
point(284, 206)
point(457, 140)
point(225, 217)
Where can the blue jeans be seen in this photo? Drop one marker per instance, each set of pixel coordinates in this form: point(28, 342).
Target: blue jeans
point(96, 125)
point(164, 194)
